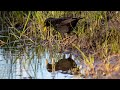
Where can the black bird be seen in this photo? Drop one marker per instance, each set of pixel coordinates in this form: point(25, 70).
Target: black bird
point(63, 64)
point(62, 25)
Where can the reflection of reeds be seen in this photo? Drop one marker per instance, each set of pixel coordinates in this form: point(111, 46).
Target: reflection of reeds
point(53, 65)
point(50, 67)
point(98, 38)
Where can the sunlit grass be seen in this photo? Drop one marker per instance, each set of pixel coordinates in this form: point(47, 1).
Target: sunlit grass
point(99, 36)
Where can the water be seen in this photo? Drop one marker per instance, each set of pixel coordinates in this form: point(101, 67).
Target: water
point(14, 65)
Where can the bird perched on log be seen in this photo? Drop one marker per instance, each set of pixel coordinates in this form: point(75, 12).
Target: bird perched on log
point(62, 25)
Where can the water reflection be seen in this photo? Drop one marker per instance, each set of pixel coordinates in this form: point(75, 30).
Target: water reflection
point(17, 65)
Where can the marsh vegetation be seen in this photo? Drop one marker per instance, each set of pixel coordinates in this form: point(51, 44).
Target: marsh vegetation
point(94, 42)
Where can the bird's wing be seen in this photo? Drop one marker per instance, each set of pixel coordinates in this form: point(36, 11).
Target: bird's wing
point(67, 21)
point(62, 28)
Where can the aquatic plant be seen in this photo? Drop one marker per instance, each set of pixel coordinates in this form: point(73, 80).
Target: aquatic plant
point(98, 34)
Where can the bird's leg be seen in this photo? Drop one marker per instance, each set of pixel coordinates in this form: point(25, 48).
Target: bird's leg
point(48, 33)
point(63, 36)
point(66, 35)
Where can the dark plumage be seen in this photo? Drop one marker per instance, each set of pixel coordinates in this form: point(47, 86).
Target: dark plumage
point(62, 25)
point(66, 64)
point(62, 64)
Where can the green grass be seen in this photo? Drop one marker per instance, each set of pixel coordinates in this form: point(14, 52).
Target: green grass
point(102, 39)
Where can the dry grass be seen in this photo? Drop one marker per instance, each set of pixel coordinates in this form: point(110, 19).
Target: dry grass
point(98, 38)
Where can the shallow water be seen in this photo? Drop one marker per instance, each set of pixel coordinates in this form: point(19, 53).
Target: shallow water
point(13, 66)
